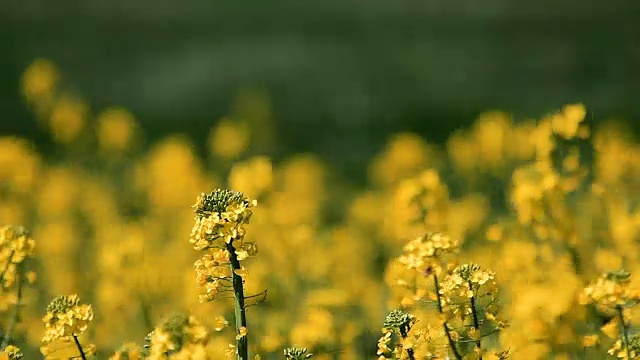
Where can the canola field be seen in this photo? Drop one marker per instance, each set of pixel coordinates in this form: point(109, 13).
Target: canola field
point(516, 239)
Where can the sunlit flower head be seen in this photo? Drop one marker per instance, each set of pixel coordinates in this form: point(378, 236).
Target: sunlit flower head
point(611, 289)
point(66, 316)
point(424, 252)
point(465, 280)
point(220, 215)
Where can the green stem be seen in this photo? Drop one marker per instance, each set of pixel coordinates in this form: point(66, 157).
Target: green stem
point(476, 323)
point(404, 334)
point(14, 317)
point(82, 355)
point(240, 309)
point(452, 344)
point(146, 312)
point(624, 330)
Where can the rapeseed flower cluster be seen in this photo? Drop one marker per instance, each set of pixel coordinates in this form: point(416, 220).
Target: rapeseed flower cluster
point(398, 322)
point(611, 290)
point(11, 353)
point(613, 295)
point(16, 256)
point(219, 232)
point(15, 247)
point(66, 319)
point(220, 219)
point(178, 337)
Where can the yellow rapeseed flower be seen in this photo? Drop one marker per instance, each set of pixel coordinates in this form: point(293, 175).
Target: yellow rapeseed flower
point(11, 352)
point(116, 128)
point(220, 215)
point(179, 337)
point(39, 80)
point(68, 116)
point(612, 289)
point(65, 317)
point(229, 138)
point(15, 246)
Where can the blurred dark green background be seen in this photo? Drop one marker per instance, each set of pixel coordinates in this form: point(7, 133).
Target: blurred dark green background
point(341, 74)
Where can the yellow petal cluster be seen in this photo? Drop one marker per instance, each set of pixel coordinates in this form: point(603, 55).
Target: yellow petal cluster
point(66, 316)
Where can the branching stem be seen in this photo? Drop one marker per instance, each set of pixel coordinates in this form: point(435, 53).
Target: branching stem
point(624, 330)
point(452, 343)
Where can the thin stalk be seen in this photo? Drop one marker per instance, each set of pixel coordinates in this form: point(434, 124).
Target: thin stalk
point(82, 355)
point(146, 313)
point(624, 330)
point(452, 343)
point(404, 334)
point(240, 309)
point(476, 323)
point(15, 316)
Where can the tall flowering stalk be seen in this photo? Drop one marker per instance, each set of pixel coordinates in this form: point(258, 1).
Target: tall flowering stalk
point(219, 234)
point(469, 302)
point(465, 300)
point(16, 247)
point(426, 254)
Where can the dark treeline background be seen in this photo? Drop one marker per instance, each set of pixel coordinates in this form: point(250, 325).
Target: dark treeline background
point(341, 75)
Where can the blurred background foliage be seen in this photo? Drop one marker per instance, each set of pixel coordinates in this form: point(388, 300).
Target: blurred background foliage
point(338, 76)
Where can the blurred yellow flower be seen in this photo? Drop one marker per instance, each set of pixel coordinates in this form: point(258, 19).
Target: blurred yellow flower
point(567, 123)
point(229, 138)
point(180, 337)
point(220, 323)
point(170, 174)
point(404, 154)
point(15, 246)
point(67, 118)
point(590, 340)
point(39, 80)
point(315, 328)
point(115, 129)
point(19, 165)
point(128, 351)
point(11, 352)
point(242, 332)
point(252, 177)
